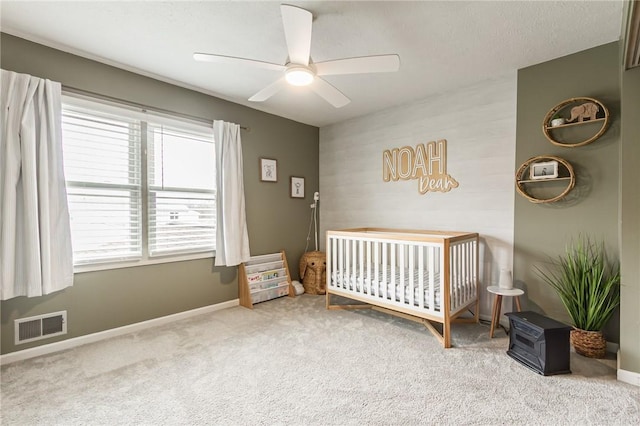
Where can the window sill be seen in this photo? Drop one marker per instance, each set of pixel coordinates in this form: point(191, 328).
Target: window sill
point(79, 269)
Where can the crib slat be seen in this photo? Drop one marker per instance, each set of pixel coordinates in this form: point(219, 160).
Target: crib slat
point(368, 279)
point(463, 273)
point(376, 266)
point(332, 274)
point(458, 275)
point(454, 276)
point(473, 265)
point(385, 247)
point(460, 281)
point(361, 265)
point(452, 263)
point(354, 262)
point(347, 263)
point(474, 269)
point(445, 279)
point(432, 278)
point(461, 277)
point(421, 276)
point(337, 263)
point(340, 264)
point(340, 261)
point(412, 276)
point(467, 270)
point(392, 287)
point(402, 282)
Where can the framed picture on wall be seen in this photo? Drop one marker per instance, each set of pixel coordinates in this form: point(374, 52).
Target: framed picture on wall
point(544, 170)
point(297, 187)
point(268, 170)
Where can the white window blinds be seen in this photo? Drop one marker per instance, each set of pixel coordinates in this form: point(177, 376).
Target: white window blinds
point(102, 168)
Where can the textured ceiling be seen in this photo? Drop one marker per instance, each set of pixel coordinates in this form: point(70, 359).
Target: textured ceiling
point(442, 45)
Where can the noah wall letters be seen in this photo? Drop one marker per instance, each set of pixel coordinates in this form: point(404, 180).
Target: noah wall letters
point(427, 163)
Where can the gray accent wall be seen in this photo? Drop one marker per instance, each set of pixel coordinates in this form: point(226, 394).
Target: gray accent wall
point(106, 299)
point(592, 207)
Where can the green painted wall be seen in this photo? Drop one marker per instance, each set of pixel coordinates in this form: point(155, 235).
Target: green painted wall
point(543, 230)
point(107, 299)
point(629, 355)
point(630, 222)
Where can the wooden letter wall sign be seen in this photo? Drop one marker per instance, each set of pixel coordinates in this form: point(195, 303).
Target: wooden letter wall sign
point(427, 162)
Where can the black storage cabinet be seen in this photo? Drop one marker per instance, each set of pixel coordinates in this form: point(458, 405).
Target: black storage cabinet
point(538, 342)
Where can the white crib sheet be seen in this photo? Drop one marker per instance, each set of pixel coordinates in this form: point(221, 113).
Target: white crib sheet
point(377, 287)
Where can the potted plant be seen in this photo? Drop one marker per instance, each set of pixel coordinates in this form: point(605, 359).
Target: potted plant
point(589, 288)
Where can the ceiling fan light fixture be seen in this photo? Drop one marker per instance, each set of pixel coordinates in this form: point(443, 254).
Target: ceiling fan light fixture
point(299, 70)
point(299, 76)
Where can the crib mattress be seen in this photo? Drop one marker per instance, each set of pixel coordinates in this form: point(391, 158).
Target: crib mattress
point(398, 288)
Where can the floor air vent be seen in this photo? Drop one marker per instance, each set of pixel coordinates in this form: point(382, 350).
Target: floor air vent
point(40, 327)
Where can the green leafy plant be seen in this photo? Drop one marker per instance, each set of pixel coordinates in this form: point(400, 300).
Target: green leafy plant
point(588, 285)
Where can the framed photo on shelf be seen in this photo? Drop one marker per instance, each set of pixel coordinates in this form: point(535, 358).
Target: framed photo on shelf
point(268, 170)
point(544, 170)
point(297, 187)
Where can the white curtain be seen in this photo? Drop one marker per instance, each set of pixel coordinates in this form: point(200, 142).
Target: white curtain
point(232, 238)
point(35, 236)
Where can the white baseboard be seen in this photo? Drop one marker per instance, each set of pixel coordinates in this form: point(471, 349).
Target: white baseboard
point(106, 334)
point(629, 377)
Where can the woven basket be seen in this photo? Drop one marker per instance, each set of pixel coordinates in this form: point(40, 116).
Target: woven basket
point(589, 343)
point(313, 272)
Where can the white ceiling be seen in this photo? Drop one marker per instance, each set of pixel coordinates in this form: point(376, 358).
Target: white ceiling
point(442, 44)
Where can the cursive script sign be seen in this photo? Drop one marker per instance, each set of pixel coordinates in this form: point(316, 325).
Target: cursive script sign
point(426, 162)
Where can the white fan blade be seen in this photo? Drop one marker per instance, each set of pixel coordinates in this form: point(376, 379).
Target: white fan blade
point(329, 93)
point(361, 65)
point(297, 32)
point(269, 91)
point(232, 60)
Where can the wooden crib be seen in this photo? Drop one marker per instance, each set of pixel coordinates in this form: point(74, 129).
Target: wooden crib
point(425, 276)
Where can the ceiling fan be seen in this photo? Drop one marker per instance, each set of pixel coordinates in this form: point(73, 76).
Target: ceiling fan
point(300, 70)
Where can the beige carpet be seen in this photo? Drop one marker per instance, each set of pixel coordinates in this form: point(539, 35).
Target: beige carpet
point(291, 362)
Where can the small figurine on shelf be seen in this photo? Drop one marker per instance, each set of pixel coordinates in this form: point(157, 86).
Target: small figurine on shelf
point(586, 110)
point(557, 120)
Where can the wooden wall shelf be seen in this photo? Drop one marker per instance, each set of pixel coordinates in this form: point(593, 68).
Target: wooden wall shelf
point(563, 109)
point(579, 123)
point(565, 171)
point(545, 180)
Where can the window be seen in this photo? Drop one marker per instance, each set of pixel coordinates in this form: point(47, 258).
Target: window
point(141, 188)
point(181, 188)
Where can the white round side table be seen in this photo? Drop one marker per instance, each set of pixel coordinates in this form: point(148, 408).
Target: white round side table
point(497, 302)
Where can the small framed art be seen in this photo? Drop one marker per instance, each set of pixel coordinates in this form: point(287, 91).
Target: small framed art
point(268, 170)
point(297, 187)
point(544, 170)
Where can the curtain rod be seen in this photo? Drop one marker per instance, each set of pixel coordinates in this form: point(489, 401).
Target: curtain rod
point(142, 107)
